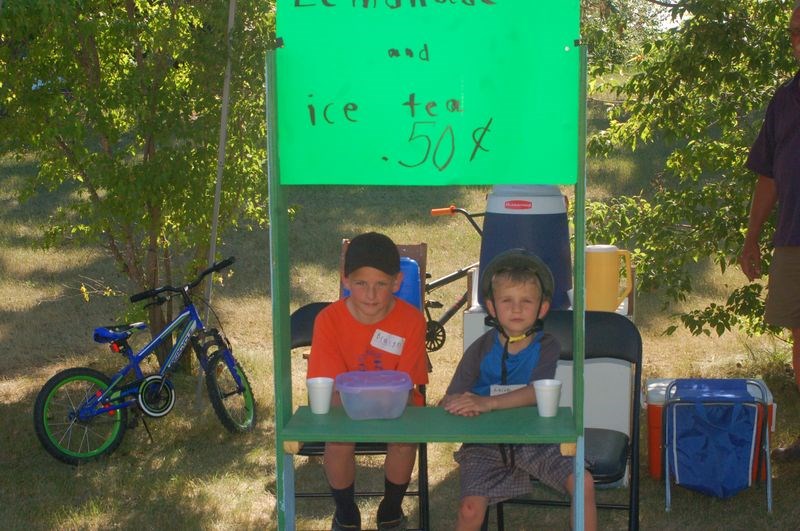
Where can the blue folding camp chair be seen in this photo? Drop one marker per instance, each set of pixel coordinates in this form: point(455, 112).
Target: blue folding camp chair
point(711, 441)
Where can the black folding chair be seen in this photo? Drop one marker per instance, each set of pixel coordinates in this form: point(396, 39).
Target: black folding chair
point(612, 383)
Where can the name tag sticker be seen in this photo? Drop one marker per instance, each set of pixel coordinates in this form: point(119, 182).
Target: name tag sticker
point(387, 342)
point(497, 389)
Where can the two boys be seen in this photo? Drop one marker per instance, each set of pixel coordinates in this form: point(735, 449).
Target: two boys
point(495, 373)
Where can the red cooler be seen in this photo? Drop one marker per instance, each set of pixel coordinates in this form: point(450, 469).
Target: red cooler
point(654, 397)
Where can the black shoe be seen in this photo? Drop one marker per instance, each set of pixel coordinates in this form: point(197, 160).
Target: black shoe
point(336, 526)
point(788, 453)
point(399, 524)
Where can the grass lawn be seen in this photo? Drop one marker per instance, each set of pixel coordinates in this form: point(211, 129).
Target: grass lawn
point(194, 475)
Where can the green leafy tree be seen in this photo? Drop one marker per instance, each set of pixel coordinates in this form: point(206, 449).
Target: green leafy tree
point(120, 101)
point(615, 30)
point(701, 87)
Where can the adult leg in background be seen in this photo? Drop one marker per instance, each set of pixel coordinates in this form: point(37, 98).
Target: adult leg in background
point(792, 451)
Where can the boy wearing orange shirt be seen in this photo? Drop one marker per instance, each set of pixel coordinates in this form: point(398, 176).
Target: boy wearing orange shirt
point(371, 329)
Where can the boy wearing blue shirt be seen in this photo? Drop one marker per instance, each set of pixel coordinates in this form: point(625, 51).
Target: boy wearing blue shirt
point(497, 372)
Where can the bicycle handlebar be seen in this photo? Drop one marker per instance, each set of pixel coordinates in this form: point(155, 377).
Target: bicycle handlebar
point(149, 294)
point(452, 209)
point(448, 211)
point(145, 295)
point(219, 266)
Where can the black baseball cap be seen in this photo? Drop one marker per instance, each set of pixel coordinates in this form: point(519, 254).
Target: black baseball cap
point(372, 249)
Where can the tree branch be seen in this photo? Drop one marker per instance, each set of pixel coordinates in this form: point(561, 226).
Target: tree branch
point(89, 59)
point(128, 259)
point(665, 4)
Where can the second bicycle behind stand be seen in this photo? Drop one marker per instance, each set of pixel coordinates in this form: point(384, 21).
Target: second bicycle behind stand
point(435, 334)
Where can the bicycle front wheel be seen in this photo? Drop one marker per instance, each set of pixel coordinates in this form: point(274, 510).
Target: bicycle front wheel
point(69, 434)
point(230, 393)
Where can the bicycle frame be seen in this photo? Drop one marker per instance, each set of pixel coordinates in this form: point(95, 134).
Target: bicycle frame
point(435, 334)
point(443, 281)
point(188, 322)
point(455, 275)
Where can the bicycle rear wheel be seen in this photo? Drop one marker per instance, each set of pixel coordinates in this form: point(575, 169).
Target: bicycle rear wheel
point(435, 336)
point(68, 435)
point(233, 403)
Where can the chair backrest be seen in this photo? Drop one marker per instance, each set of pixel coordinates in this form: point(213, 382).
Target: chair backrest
point(612, 368)
point(301, 323)
point(712, 433)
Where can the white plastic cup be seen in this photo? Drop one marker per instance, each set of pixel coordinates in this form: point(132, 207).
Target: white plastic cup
point(320, 390)
point(548, 394)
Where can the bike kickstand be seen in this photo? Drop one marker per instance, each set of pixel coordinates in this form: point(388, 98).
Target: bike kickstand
point(147, 429)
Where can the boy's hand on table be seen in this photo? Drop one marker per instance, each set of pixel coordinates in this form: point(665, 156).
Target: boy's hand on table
point(466, 404)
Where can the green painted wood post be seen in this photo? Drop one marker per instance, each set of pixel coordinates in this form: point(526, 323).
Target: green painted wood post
point(578, 305)
point(579, 296)
point(279, 290)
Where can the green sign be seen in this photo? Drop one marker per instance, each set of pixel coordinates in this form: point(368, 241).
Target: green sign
point(427, 92)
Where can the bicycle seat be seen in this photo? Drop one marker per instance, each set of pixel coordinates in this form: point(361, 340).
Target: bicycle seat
point(108, 334)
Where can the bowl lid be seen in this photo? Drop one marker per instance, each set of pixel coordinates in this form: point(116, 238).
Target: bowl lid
point(373, 380)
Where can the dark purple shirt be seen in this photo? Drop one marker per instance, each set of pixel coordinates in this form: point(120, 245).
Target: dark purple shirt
point(776, 154)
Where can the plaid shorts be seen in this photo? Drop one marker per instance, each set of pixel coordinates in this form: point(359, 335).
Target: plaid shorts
point(783, 297)
point(484, 471)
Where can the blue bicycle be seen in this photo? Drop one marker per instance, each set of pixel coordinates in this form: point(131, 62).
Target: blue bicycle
point(81, 414)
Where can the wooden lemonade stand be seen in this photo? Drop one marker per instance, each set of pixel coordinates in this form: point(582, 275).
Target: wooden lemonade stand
point(465, 92)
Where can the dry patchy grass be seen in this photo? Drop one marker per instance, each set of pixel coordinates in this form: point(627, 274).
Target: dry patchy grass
point(194, 475)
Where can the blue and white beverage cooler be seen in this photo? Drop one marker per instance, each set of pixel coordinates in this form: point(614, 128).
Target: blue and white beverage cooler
point(528, 217)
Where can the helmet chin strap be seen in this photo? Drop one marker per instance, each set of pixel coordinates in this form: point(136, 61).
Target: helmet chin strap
point(515, 339)
point(494, 323)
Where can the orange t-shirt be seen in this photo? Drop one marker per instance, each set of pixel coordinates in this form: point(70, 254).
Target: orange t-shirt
point(340, 343)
